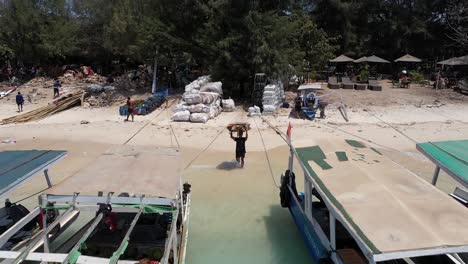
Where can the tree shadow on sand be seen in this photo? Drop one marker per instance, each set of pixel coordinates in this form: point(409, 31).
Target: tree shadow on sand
point(228, 165)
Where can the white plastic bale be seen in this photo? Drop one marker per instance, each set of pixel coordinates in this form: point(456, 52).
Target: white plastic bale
point(228, 105)
point(199, 118)
point(181, 116)
point(213, 87)
point(199, 108)
point(269, 108)
point(208, 98)
point(196, 84)
point(191, 99)
point(181, 107)
point(214, 111)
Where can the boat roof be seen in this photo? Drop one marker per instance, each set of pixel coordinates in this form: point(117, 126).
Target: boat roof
point(136, 170)
point(450, 156)
point(390, 210)
point(17, 166)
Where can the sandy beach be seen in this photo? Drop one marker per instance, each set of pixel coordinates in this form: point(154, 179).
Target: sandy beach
point(236, 214)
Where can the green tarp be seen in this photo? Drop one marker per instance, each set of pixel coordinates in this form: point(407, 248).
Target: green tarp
point(16, 166)
point(450, 156)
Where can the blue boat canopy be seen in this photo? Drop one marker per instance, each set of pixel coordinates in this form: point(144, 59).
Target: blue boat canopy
point(450, 156)
point(18, 166)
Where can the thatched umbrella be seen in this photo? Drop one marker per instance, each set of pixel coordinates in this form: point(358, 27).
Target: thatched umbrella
point(455, 61)
point(342, 58)
point(408, 58)
point(371, 59)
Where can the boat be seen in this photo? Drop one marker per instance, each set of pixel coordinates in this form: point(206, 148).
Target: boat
point(452, 158)
point(358, 206)
point(16, 168)
point(130, 207)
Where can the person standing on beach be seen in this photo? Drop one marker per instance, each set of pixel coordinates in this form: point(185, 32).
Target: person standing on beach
point(130, 108)
point(20, 101)
point(240, 145)
point(57, 85)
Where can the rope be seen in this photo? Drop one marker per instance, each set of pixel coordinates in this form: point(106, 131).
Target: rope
point(147, 123)
point(360, 137)
point(394, 128)
point(27, 197)
point(266, 155)
point(199, 154)
point(177, 141)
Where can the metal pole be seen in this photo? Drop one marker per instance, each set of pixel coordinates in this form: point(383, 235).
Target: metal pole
point(291, 156)
point(46, 174)
point(155, 67)
point(436, 175)
point(83, 238)
point(125, 240)
point(332, 235)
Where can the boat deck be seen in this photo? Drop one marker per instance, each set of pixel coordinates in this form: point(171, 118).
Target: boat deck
point(149, 171)
point(18, 166)
point(388, 207)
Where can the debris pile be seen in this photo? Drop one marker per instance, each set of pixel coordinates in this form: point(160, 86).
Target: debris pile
point(201, 101)
point(273, 95)
point(101, 96)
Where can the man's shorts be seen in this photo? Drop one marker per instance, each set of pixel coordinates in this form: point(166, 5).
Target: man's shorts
point(240, 154)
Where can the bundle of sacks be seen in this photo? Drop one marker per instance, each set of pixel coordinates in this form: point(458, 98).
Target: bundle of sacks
point(273, 95)
point(254, 111)
point(201, 101)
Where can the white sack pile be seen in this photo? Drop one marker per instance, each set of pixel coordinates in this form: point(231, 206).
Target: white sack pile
point(273, 96)
point(254, 111)
point(201, 101)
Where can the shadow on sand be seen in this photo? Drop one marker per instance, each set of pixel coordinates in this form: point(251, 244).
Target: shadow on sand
point(228, 165)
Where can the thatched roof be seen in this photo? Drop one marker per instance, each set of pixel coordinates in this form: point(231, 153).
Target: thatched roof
point(372, 59)
point(455, 61)
point(408, 58)
point(342, 58)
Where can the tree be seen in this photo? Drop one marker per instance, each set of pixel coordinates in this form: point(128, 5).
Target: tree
point(457, 18)
point(37, 30)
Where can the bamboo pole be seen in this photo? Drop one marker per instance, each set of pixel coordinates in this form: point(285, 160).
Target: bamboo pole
point(64, 103)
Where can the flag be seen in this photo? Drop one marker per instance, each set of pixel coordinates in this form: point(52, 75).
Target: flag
point(288, 132)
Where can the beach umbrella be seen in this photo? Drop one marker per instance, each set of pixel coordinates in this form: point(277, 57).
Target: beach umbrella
point(362, 59)
point(342, 58)
point(408, 58)
point(371, 59)
point(455, 61)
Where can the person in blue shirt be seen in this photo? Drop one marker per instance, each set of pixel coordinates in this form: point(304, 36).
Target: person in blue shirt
point(20, 101)
point(57, 85)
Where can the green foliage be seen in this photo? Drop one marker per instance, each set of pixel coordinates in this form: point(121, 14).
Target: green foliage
point(6, 53)
point(364, 75)
point(417, 77)
point(233, 39)
point(36, 30)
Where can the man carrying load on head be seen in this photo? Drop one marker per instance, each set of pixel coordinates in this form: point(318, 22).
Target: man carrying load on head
point(240, 144)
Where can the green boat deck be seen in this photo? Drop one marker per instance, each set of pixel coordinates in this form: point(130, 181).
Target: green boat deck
point(450, 156)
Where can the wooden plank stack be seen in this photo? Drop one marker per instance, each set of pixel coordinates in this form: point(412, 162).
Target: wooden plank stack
point(59, 105)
